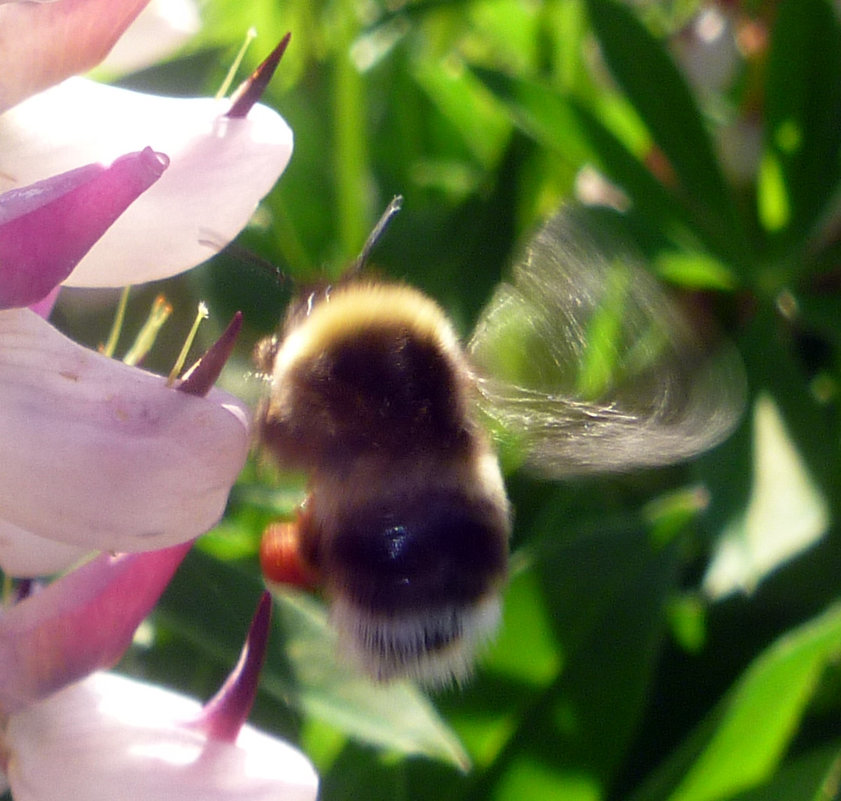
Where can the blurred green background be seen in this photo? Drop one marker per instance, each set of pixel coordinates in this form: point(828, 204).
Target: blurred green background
point(669, 634)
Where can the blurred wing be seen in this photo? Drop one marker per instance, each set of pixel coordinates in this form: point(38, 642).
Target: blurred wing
point(589, 366)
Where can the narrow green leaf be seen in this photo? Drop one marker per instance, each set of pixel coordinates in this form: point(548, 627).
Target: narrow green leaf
point(812, 776)
point(786, 513)
point(649, 196)
point(606, 593)
point(531, 779)
point(397, 717)
point(803, 113)
point(351, 157)
point(774, 203)
point(641, 65)
point(465, 102)
point(542, 113)
point(761, 713)
point(526, 620)
point(694, 270)
point(687, 622)
point(600, 363)
point(567, 127)
point(520, 665)
point(563, 125)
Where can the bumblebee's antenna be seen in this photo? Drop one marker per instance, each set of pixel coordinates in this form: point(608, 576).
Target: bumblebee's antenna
point(374, 237)
point(242, 254)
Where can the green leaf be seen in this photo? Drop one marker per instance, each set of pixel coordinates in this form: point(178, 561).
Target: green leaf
point(523, 661)
point(605, 592)
point(802, 117)
point(650, 196)
point(463, 100)
point(663, 100)
point(351, 157)
point(774, 204)
point(785, 515)
point(542, 113)
point(531, 779)
point(600, 362)
point(694, 270)
point(777, 367)
point(812, 776)
point(756, 721)
point(568, 128)
point(398, 716)
point(526, 620)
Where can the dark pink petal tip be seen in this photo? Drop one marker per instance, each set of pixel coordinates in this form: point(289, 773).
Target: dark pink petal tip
point(204, 374)
point(47, 227)
point(224, 715)
point(80, 623)
point(44, 307)
point(252, 88)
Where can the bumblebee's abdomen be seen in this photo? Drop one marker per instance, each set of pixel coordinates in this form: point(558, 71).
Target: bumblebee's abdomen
point(394, 557)
point(414, 577)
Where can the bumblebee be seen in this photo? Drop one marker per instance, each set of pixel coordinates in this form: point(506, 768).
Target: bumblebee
point(372, 395)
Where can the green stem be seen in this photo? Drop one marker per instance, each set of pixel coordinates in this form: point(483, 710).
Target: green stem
point(352, 166)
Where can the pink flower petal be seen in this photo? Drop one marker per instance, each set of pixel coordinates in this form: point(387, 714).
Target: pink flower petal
point(104, 456)
point(98, 738)
point(46, 227)
point(24, 555)
point(160, 30)
point(43, 43)
point(81, 622)
point(44, 307)
point(224, 715)
point(220, 168)
point(204, 375)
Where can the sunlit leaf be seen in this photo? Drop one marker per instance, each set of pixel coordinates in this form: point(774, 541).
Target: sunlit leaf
point(396, 717)
point(811, 776)
point(786, 513)
point(758, 718)
point(541, 112)
point(662, 98)
point(464, 102)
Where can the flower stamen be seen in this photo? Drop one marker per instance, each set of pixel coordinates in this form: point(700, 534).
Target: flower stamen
point(203, 374)
point(158, 315)
point(117, 326)
point(201, 314)
point(250, 36)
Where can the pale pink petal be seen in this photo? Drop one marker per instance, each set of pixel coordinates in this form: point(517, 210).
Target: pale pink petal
point(24, 554)
point(219, 170)
point(46, 227)
point(159, 31)
point(110, 737)
point(104, 456)
point(43, 43)
point(82, 622)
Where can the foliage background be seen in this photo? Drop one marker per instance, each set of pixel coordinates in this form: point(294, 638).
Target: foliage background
point(619, 673)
